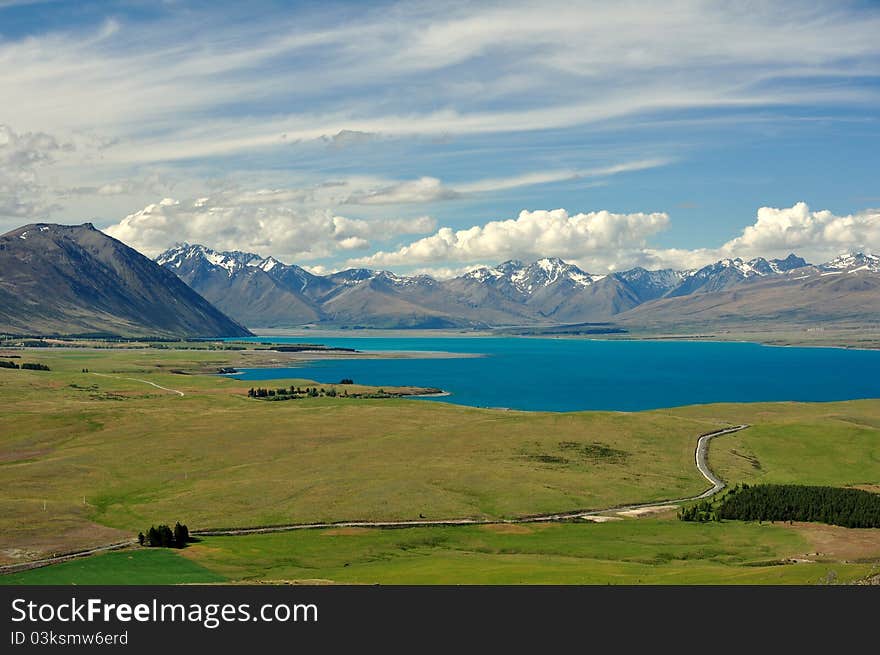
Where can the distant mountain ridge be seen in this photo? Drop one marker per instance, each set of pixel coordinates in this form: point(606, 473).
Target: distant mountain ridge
point(264, 292)
point(74, 279)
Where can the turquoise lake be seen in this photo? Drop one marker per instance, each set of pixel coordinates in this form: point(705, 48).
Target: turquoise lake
point(578, 374)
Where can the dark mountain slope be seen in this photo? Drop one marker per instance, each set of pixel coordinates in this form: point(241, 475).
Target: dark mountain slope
point(59, 279)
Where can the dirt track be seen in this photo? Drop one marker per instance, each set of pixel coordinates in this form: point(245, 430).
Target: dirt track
point(104, 375)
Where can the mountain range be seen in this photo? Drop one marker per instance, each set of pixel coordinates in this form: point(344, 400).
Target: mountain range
point(76, 280)
point(264, 292)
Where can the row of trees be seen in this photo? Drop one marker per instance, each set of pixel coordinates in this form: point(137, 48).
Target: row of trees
point(28, 366)
point(292, 392)
point(851, 508)
point(165, 537)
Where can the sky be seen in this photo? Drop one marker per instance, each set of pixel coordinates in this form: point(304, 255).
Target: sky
point(435, 137)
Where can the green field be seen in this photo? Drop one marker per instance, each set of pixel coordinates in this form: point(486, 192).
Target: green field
point(643, 551)
point(655, 551)
point(834, 444)
point(87, 459)
point(138, 567)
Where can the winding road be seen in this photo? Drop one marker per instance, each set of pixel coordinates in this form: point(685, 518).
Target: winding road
point(700, 456)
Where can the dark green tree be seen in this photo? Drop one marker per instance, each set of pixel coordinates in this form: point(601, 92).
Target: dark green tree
point(181, 535)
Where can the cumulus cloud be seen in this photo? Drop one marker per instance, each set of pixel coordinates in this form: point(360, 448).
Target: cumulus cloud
point(532, 234)
point(319, 269)
point(234, 221)
point(603, 241)
point(264, 221)
point(817, 234)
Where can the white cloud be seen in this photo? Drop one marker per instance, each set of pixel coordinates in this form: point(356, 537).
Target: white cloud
point(430, 189)
point(603, 241)
point(814, 234)
point(262, 221)
point(151, 183)
point(231, 220)
point(533, 234)
point(319, 269)
point(284, 86)
point(346, 138)
point(21, 155)
point(546, 177)
point(424, 189)
point(817, 236)
point(459, 69)
point(353, 243)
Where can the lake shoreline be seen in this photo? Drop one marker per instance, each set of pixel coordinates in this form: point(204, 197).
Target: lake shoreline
point(567, 375)
point(781, 339)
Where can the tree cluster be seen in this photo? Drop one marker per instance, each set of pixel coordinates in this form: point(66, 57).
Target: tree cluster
point(28, 366)
point(33, 366)
point(293, 392)
point(851, 508)
point(165, 537)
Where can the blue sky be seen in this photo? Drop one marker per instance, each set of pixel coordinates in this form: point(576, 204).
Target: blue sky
point(438, 136)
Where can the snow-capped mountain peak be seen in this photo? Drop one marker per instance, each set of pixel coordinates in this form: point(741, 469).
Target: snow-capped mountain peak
point(268, 264)
point(757, 267)
point(665, 277)
point(528, 278)
point(185, 255)
point(484, 274)
point(853, 262)
point(401, 281)
point(352, 276)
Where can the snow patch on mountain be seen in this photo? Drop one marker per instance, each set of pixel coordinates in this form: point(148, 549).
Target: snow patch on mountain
point(529, 278)
point(232, 261)
point(853, 263)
